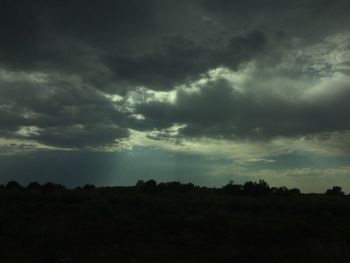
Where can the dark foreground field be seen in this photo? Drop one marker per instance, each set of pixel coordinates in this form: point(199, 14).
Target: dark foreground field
point(171, 223)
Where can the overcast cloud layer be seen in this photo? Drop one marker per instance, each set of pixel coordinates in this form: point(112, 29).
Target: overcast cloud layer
point(245, 81)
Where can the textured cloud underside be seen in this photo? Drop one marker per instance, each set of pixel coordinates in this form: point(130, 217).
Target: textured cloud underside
point(109, 75)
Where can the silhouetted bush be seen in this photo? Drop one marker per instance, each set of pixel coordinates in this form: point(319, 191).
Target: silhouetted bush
point(256, 188)
point(280, 190)
point(34, 186)
point(140, 183)
point(50, 187)
point(89, 187)
point(231, 188)
point(150, 186)
point(295, 191)
point(174, 186)
point(336, 190)
point(180, 223)
point(13, 185)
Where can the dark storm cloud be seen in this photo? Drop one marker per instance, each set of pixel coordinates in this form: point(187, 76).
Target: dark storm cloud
point(66, 114)
point(115, 41)
point(80, 136)
point(219, 111)
point(10, 118)
point(308, 19)
point(89, 47)
point(37, 31)
point(181, 60)
point(158, 44)
point(42, 34)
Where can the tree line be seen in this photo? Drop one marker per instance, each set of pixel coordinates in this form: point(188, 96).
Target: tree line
point(249, 188)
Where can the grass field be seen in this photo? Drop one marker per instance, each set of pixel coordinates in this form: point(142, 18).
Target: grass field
point(171, 223)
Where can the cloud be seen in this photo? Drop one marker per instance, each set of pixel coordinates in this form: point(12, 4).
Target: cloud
point(37, 31)
point(218, 110)
point(307, 19)
point(80, 136)
point(59, 111)
point(245, 81)
point(114, 45)
point(180, 60)
point(303, 93)
point(235, 92)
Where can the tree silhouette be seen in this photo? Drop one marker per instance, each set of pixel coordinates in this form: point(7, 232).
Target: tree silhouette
point(256, 188)
point(140, 183)
point(13, 185)
point(295, 191)
point(149, 186)
point(231, 188)
point(50, 187)
point(89, 187)
point(34, 186)
point(336, 190)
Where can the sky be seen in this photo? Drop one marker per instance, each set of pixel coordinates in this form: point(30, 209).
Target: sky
point(203, 91)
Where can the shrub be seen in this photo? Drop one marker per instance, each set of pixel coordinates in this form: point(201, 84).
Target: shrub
point(336, 190)
point(34, 186)
point(13, 185)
